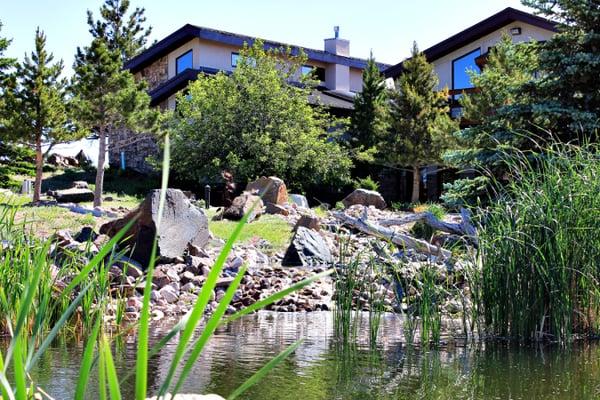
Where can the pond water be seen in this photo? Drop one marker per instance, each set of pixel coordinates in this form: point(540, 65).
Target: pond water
point(321, 370)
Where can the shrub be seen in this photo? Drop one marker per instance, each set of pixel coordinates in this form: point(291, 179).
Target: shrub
point(422, 230)
point(366, 183)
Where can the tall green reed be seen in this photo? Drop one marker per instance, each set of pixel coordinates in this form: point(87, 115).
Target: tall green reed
point(540, 247)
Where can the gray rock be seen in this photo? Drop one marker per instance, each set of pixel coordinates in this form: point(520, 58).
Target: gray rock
point(298, 200)
point(307, 249)
point(79, 185)
point(73, 195)
point(169, 294)
point(182, 225)
point(242, 205)
point(366, 198)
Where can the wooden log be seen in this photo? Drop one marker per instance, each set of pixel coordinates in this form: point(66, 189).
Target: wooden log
point(399, 239)
point(464, 228)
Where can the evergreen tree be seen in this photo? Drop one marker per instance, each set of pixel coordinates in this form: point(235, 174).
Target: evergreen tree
point(37, 110)
point(107, 98)
point(6, 78)
point(420, 124)
point(369, 119)
point(123, 33)
point(566, 98)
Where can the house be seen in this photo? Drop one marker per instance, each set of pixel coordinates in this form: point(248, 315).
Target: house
point(452, 58)
point(170, 64)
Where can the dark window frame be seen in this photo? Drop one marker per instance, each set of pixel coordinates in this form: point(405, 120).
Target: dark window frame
point(461, 57)
point(191, 53)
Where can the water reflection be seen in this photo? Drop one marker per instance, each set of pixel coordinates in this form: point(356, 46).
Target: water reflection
point(322, 369)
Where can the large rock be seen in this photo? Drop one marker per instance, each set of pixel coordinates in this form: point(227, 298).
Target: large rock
point(73, 195)
point(272, 190)
point(307, 249)
point(242, 205)
point(182, 225)
point(366, 198)
point(299, 200)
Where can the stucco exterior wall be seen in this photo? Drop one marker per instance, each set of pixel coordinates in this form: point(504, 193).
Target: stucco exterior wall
point(443, 65)
point(355, 80)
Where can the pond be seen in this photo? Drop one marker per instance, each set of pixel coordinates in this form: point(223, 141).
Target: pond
point(319, 369)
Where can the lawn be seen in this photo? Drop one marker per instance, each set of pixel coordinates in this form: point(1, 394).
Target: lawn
point(271, 228)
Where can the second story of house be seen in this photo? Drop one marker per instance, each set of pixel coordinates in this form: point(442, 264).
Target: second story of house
point(453, 57)
point(170, 64)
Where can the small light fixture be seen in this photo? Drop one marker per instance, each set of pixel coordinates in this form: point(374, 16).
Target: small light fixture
point(515, 31)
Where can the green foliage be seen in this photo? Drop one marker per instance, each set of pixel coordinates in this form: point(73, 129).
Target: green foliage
point(37, 111)
point(366, 183)
point(369, 121)
point(540, 246)
point(124, 33)
point(509, 66)
point(107, 97)
point(422, 230)
point(420, 124)
point(467, 191)
point(6, 78)
point(565, 100)
point(254, 122)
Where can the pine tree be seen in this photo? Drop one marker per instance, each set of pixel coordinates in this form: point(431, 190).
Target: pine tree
point(37, 109)
point(6, 78)
point(123, 33)
point(107, 98)
point(566, 98)
point(420, 124)
point(369, 119)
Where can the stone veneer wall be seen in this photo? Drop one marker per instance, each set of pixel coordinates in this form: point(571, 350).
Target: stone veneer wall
point(156, 73)
point(138, 147)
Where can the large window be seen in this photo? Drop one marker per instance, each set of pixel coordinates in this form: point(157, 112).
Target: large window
point(460, 68)
point(319, 72)
point(184, 62)
point(234, 59)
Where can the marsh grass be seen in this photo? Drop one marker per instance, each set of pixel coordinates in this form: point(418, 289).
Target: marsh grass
point(540, 248)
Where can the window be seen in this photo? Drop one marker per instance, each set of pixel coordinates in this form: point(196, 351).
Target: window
point(234, 59)
point(460, 66)
point(319, 72)
point(184, 62)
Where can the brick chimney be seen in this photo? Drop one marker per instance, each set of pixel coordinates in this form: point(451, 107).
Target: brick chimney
point(337, 77)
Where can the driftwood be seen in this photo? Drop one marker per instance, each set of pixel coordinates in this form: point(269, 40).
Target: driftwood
point(464, 228)
point(400, 239)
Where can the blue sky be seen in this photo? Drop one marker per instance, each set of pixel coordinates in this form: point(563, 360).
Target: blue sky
point(388, 27)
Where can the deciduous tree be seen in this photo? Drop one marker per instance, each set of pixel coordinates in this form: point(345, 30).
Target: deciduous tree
point(256, 121)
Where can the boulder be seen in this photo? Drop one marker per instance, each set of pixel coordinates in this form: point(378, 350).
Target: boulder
point(272, 189)
point(79, 185)
point(73, 195)
point(307, 249)
point(83, 159)
point(308, 221)
point(366, 198)
point(86, 234)
point(272, 208)
point(182, 225)
point(241, 205)
point(298, 200)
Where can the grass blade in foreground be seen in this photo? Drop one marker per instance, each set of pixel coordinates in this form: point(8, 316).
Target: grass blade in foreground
point(264, 370)
point(141, 379)
point(86, 363)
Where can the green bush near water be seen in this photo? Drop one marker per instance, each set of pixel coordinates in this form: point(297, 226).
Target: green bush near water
point(540, 247)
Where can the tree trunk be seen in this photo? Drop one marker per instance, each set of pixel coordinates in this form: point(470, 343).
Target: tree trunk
point(39, 165)
point(416, 190)
point(100, 168)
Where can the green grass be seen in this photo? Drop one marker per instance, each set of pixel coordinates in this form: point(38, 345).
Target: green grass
point(271, 228)
point(540, 248)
